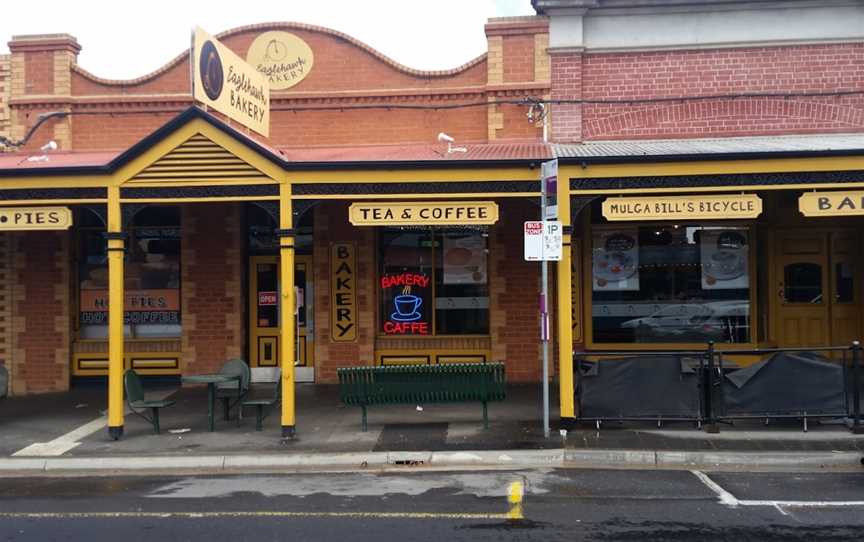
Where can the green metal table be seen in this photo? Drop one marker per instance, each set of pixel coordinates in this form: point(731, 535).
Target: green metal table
point(211, 380)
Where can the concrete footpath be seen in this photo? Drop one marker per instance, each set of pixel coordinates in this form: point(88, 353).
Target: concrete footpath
point(66, 433)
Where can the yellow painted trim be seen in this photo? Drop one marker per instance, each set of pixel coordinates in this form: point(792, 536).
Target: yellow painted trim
point(286, 325)
point(647, 168)
point(200, 200)
point(14, 202)
point(213, 181)
point(116, 299)
point(80, 358)
point(407, 196)
point(564, 308)
point(178, 137)
point(419, 175)
point(714, 189)
point(431, 355)
point(54, 181)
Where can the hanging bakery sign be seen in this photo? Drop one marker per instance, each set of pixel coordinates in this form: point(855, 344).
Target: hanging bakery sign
point(700, 207)
point(224, 81)
point(35, 218)
point(282, 57)
point(423, 213)
point(831, 203)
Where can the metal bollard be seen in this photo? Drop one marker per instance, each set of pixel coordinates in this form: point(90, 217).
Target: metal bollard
point(856, 391)
point(710, 420)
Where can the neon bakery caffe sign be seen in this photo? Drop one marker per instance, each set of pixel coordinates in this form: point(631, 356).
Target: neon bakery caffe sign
point(405, 307)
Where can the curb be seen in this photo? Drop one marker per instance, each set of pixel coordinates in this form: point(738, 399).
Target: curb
point(484, 458)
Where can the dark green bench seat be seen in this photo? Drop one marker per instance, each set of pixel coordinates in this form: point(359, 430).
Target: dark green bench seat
point(419, 384)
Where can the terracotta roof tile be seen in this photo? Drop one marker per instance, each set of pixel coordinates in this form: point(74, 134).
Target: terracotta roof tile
point(419, 153)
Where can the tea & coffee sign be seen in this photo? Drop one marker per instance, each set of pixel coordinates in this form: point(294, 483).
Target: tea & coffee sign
point(35, 218)
point(737, 206)
point(831, 203)
point(282, 57)
point(224, 81)
point(424, 213)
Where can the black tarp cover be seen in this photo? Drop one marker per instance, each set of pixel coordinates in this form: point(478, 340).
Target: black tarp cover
point(786, 384)
point(639, 387)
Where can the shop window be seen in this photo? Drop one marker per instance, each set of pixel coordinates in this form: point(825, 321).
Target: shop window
point(151, 277)
point(671, 284)
point(433, 282)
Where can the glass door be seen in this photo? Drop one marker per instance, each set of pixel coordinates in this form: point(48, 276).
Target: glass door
point(265, 314)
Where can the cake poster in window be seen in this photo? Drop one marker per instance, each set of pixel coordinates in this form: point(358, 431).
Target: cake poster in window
point(724, 259)
point(464, 259)
point(615, 265)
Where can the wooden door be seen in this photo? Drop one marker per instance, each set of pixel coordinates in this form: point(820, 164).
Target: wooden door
point(845, 287)
point(803, 317)
point(265, 313)
point(819, 288)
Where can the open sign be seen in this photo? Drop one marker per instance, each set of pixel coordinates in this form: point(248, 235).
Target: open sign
point(267, 298)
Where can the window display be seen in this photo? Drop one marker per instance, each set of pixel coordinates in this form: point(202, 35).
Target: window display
point(433, 282)
point(671, 284)
point(151, 277)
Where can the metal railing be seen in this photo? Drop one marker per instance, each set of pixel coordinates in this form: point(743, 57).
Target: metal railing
point(645, 393)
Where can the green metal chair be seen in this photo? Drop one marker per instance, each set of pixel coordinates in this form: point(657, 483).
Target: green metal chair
point(264, 395)
point(230, 392)
point(136, 400)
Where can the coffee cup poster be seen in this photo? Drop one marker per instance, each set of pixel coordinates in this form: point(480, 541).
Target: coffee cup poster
point(616, 261)
point(724, 258)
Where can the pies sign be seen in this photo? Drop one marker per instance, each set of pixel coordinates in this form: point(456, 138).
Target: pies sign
point(283, 58)
point(35, 218)
point(225, 82)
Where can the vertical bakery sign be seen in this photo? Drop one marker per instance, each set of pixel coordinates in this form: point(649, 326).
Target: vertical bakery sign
point(224, 81)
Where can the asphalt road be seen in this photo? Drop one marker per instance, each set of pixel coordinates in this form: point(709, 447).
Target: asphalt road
point(560, 504)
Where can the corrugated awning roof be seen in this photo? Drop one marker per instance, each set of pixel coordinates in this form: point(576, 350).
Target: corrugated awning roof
point(707, 147)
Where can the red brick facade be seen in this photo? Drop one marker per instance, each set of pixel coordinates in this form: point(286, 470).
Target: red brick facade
point(706, 77)
point(39, 360)
point(212, 287)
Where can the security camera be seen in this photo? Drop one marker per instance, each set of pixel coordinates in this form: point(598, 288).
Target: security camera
point(444, 138)
point(50, 146)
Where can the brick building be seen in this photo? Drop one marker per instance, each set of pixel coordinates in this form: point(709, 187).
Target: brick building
point(738, 107)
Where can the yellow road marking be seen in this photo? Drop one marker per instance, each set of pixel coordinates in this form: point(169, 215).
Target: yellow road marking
point(253, 513)
point(514, 497)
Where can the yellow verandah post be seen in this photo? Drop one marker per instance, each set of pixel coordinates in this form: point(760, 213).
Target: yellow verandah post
point(286, 323)
point(565, 300)
point(116, 245)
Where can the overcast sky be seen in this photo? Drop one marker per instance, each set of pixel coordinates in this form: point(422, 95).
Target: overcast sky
point(124, 39)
